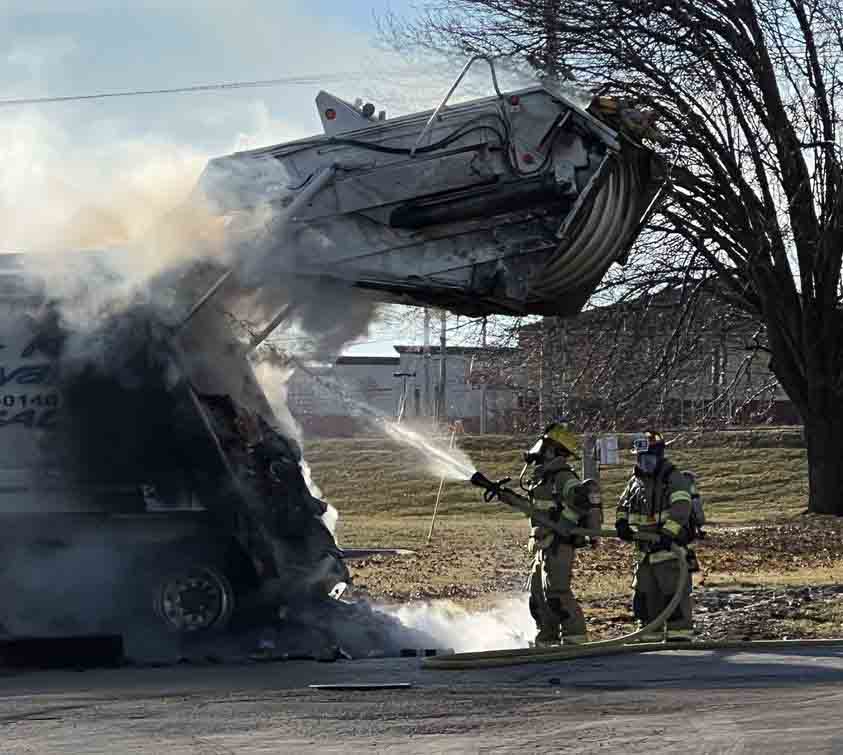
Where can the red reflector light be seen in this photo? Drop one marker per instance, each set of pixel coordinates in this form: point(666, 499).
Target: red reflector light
point(528, 158)
point(514, 100)
point(330, 114)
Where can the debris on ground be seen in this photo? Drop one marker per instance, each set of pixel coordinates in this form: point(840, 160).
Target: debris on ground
point(739, 613)
point(491, 559)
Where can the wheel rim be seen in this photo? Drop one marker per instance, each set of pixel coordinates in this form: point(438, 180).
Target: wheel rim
point(195, 600)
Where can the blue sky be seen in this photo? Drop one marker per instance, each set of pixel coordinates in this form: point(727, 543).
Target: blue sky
point(51, 47)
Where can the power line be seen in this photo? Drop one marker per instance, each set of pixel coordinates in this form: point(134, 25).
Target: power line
point(289, 81)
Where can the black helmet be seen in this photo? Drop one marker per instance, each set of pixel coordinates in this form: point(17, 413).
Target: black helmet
point(650, 442)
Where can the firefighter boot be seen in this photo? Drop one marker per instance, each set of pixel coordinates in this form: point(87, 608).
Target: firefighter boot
point(548, 636)
point(680, 635)
point(548, 627)
point(551, 624)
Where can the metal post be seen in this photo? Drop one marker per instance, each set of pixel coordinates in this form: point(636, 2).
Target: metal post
point(204, 299)
point(259, 338)
point(439, 493)
point(590, 458)
point(444, 102)
point(402, 403)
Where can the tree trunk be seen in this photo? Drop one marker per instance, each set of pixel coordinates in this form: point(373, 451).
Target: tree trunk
point(824, 440)
point(821, 409)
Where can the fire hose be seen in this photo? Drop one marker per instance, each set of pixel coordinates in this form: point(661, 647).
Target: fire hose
point(615, 646)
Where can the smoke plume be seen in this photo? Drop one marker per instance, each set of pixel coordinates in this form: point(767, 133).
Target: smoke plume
point(128, 252)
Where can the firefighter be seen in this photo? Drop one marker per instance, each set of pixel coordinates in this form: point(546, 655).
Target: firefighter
point(657, 499)
point(556, 491)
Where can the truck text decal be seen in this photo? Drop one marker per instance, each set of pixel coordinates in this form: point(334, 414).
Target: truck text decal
point(38, 374)
point(32, 418)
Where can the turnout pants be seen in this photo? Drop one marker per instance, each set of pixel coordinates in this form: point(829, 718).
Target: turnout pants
point(655, 584)
point(552, 602)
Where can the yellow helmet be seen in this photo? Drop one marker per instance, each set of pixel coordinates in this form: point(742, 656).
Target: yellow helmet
point(561, 434)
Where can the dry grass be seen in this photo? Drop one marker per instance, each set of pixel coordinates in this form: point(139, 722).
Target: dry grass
point(754, 497)
point(371, 476)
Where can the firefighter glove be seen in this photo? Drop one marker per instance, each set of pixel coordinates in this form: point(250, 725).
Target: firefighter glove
point(581, 496)
point(624, 530)
point(665, 543)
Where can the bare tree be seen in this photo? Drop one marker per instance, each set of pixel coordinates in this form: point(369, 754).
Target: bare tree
point(663, 355)
point(747, 96)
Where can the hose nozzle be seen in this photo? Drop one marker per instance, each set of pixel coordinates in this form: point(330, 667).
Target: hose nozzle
point(481, 481)
point(492, 489)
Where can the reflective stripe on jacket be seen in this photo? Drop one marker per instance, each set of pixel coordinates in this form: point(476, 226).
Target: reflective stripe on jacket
point(663, 500)
point(553, 492)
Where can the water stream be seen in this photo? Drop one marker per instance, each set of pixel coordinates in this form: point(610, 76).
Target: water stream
point(450, 463)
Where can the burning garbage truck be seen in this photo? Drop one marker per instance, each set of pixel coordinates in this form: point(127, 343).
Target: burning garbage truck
point(135, 496)
point(148, 487)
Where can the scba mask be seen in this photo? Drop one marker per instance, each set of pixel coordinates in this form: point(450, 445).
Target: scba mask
point(536, 453)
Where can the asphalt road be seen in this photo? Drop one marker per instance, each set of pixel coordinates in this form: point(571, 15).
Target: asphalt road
point(671, 702)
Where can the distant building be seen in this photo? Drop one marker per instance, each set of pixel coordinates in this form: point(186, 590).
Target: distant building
point(336, 404)
point(341, 399)
point(482, 397)
point(709, 367)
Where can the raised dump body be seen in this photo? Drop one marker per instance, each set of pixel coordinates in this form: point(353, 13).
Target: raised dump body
point(516, 203)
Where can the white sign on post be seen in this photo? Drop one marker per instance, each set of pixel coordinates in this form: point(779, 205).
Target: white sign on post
point(609, 450)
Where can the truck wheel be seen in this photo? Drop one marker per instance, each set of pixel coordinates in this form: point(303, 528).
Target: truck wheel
point(182, 588)
point(194, 598)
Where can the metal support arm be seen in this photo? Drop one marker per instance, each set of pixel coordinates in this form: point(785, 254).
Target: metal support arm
point(453, 88)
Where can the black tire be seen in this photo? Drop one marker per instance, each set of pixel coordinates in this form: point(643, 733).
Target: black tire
point(185, 589)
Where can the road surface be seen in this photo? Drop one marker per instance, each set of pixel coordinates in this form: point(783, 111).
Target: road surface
point(671, 702)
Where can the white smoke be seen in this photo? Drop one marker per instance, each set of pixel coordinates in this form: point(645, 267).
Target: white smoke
point(55, 198)
point(506, 623)
point(159, 247)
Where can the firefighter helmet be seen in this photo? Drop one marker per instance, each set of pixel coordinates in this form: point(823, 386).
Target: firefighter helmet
point(650, 442)
point(561, 434)
point(558, 435)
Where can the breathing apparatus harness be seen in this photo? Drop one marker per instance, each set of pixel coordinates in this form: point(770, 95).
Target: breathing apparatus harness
point(534, 457)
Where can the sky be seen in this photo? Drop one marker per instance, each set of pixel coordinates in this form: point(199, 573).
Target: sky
point(149, 150)
point(56, 47)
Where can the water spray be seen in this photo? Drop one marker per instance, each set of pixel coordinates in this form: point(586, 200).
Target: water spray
point(447, 463)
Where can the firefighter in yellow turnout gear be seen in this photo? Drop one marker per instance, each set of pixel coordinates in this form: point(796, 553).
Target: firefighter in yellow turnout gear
point(657, 499)
point(556, 491)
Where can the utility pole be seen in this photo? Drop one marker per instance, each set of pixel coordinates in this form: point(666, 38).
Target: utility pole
point(541, 375)
point(443, 370)
point(427, 410)
point(551, 52)
point(483, 384)
point(564, 392)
